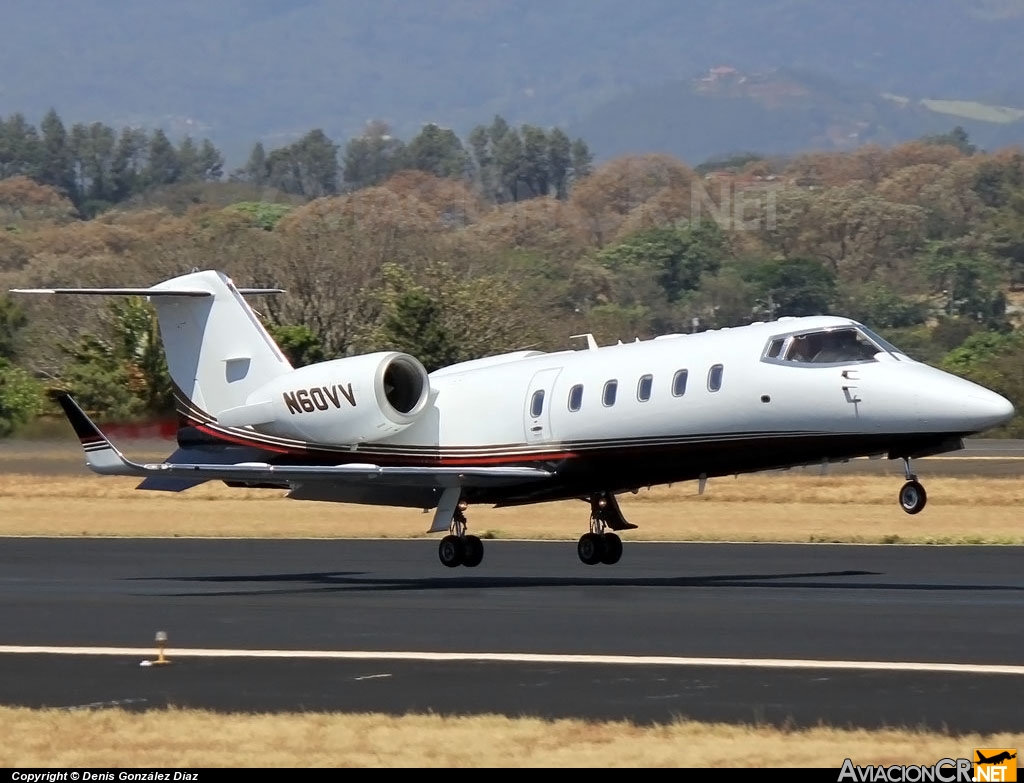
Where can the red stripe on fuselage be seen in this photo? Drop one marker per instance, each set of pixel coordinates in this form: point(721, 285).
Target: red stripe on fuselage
point(393, 460)
point(244, 441)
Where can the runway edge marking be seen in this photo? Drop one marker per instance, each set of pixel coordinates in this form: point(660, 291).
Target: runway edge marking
point(624, 660)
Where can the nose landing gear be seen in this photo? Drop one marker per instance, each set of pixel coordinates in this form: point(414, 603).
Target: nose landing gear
point(912, 496)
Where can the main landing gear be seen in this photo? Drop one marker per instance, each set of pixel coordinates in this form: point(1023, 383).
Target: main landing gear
point(457, 548)
point(912, 495)
point(599, 546)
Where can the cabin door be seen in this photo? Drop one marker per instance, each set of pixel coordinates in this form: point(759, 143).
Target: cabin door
point(537, 407)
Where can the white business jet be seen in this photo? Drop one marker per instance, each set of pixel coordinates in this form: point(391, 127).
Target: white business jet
point(530, 426)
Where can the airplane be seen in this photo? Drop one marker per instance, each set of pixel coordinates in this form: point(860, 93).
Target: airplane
point(530, 426)
point(999, 758)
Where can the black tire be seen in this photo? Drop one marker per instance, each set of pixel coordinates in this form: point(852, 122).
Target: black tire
point(612, 549)
point(912, 497)
point(473, 551)
point(590, 548)
point(451, 551)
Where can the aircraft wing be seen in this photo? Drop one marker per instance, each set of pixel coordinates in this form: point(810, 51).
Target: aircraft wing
point(102, 457)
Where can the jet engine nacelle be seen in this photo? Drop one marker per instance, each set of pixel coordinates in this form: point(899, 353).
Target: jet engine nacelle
point(353, 400)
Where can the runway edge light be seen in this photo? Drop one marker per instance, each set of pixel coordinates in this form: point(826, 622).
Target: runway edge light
point(161, 643)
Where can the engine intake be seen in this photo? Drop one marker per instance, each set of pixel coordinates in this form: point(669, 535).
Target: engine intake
point(404, 383)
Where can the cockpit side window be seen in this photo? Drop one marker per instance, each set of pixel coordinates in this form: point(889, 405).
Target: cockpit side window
point(823, 346)
point(880, 341)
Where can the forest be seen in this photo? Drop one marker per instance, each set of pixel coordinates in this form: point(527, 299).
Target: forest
point(513, 237)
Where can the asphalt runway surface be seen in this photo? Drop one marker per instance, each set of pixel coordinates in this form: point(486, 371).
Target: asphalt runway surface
point(731, 632)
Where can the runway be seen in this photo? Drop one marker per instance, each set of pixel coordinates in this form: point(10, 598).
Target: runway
point(673, 611)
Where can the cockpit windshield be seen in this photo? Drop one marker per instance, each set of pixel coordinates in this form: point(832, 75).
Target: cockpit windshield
point(843, 345)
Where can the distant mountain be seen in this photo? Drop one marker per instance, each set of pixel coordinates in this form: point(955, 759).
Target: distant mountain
point(242, 70)
point(727, 111)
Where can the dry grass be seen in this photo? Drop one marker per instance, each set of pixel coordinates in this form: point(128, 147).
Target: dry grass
point(759, 507)
point(194, 739)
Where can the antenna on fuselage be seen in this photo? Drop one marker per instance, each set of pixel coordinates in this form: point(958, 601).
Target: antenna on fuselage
point(591, 342)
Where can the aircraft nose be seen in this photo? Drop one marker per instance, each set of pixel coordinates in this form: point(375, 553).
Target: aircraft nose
point(988, 409)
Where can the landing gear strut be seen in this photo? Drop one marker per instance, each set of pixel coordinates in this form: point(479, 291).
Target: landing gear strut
point(599, 546)
point(912, 495)
point(457, 548)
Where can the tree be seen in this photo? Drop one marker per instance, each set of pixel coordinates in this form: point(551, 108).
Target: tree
point(437, 151)
point(996, 361)
point(677, 257)
point(535, 170)
point(880, 307)
point(508, 162)
point(414, 323)
point(559, 162)
point(374, 156)
point(858, 232)
point(308, 168)
point(996, 180)
point(163, 166)
point(128, 165)
point(514, 165)
point(124, 371)
point(21, 397)
point(12, 321)
point(188, 160)
point(479, 141)
point(255, 170)
point(446, 319)
point(582, 160)
point(980, 349)
point(56, 165)
point(955, 138)
point(794, 286)
point(1006, 231)
point(633, 193)
point(93, 148)
point(202, 163)
point(20, 149)
point(298, 343)
point(967, 282)
point(210, 166)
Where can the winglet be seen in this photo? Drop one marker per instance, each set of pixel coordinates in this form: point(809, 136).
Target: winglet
point(100, 454)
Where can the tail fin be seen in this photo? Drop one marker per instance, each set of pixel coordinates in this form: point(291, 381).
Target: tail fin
point(218, 352)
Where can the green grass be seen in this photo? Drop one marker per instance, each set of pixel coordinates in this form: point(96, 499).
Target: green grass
point(973, 110)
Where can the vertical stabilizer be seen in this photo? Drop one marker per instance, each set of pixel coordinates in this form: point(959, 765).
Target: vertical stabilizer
point(217, 350)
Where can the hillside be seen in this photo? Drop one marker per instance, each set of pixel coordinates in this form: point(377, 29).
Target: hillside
point(777, 111)
point(239, 70)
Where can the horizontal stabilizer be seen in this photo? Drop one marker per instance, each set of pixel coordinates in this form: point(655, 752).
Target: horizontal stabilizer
point(102, 457)
point(112, 291)
point(141, 291)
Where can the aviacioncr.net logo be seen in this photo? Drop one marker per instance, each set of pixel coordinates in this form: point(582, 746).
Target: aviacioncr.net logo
point(995, 765)
point(942, 771)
